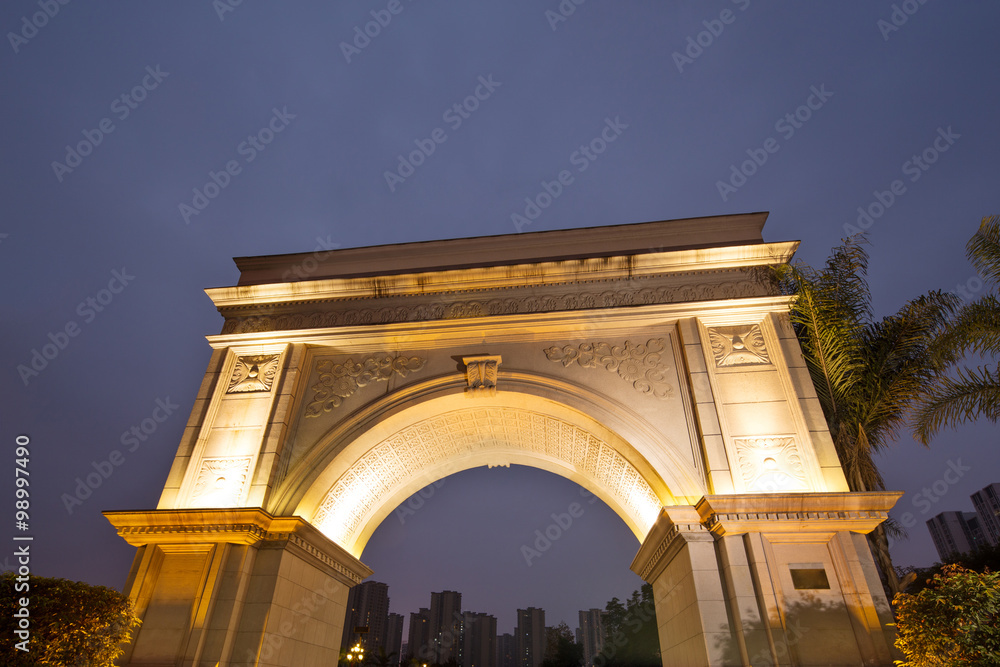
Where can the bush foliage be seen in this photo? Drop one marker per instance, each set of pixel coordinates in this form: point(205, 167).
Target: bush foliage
point(70, 622)
point(953, 621)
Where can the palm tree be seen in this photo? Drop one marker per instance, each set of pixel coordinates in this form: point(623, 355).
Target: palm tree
point(975, 329)
point(868, 373)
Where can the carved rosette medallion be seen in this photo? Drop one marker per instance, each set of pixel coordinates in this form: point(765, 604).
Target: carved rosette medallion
point(220, 481)
point(481, 373)
point(253, 373)
point(770, 464)
point(640, 365)
point(738, 346)
point(495, 433)
point(340, 381)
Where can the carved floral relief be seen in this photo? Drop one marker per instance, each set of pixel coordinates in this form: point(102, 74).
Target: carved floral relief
point(340, 381)
point(641, 365)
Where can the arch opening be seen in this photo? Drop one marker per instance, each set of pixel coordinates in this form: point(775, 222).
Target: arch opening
point(549, 542)
point(384, 466)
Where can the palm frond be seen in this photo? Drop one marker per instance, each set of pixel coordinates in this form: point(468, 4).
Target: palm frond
point(974, 394)
point(899, 368)
point(830, 308)
point(983, 249)
point(975, 327)
point(895, 529)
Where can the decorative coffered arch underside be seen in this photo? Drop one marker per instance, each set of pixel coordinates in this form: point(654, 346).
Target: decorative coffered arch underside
point(456, 435)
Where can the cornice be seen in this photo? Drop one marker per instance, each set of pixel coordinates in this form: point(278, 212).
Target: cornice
point(457, 281)
point(535, 326)
point(804, 516)
point(247, 526)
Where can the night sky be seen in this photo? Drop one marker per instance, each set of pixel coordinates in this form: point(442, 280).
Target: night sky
point(116, 116)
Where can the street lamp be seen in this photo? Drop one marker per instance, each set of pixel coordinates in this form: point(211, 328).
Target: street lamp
point(356, 655)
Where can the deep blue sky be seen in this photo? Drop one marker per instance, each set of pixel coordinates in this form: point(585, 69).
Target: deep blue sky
point(221, 79)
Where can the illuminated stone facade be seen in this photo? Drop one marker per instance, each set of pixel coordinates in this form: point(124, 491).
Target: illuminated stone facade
point(650, 363)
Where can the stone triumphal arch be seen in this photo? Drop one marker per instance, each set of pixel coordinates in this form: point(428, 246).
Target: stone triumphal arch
point(650, 363)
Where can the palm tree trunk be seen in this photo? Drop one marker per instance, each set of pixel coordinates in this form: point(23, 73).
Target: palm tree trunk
point(880, 551)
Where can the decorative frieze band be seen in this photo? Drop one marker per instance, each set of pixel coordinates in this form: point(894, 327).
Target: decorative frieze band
point(247, 532)
point(321, 556)
point(441, 307)
point(640, 365)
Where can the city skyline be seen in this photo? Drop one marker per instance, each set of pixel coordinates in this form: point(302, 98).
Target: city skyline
point(959, 531)
point(447, 610)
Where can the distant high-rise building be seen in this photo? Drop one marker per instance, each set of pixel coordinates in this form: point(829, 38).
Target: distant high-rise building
point(591, 634)
point(394, 637)
point(479, 640)
point(530, 637)
point(987, 504)
point(506, 650)
point(418, 643)
point(446, 625)
point(955, 533)
point(367, 606)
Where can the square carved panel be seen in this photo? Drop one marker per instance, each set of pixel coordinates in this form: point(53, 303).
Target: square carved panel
point(741, 345)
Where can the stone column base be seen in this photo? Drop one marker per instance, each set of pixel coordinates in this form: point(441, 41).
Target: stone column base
point(769, 580)
point(234, 587)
